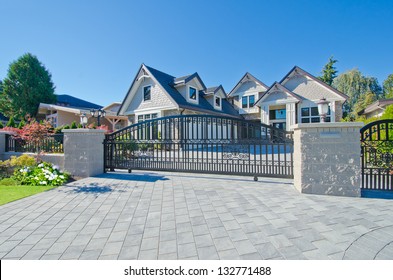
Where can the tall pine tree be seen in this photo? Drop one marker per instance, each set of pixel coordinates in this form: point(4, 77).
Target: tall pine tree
point(329, 71)
point(28, 83)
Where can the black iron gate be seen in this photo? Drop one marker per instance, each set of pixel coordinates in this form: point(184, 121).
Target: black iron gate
point(377, 155)
point(201, 143)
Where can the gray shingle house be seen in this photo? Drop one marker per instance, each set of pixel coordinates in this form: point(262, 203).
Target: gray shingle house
point(155, 94)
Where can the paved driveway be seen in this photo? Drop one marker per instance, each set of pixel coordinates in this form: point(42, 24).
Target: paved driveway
point(157, 215)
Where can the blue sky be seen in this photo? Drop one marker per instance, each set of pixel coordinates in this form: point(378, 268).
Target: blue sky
point(94, 48)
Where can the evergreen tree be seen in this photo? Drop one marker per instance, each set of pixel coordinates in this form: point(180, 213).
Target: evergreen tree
point(11, 122)
point(388, 87)
point(329, 71)
point(73, 125)
point(28, 83)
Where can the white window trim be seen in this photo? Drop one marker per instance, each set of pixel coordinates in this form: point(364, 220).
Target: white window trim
point(147, 113)
point(143, 93)
point(248, 101)
point(310, 117)
point(196, 100)
point(215, 106)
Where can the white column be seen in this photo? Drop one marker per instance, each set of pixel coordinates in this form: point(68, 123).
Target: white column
point(265, 114)
point(291, 115)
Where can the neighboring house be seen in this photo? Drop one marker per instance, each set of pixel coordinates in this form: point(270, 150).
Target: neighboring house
point(245, 94)
point(294, 100)
point(155, 94)
point(376, 109)
point(69, 109)
point(116, 122)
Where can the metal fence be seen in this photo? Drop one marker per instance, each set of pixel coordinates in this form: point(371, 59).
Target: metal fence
point(51, 144)
point(377, 155)
point(202, 143)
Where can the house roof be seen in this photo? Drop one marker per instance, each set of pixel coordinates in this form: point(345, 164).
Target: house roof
point(187, 78)
point(167, 83)
point(278, 87)
point(298, 70)
point(247, 76)
point(66, 100)
point(214, 90)
point(376, 105)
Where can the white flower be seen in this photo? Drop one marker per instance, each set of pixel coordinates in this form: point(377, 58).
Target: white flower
point(61, 177)
point(55, 167)
point(41, 165)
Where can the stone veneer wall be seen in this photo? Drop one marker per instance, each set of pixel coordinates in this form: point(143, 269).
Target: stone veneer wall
point(327, 158)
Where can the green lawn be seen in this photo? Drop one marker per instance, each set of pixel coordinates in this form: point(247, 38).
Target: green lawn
point(11, 193)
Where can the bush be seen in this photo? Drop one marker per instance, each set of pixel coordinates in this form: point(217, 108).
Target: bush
point(21, 124)
point(43, 174)
point(1, 125)
point(23, 160)
point(11, 122)
point(9, 182)
point(73, 125)
point(7, 167)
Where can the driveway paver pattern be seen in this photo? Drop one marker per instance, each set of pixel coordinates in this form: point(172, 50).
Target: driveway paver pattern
point(161, 215)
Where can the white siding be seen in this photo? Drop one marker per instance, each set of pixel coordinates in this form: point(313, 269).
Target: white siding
point(309, 89)
point(158, 97)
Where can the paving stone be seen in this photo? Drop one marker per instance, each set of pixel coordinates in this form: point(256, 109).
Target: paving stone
point(149, 243)
point(112, 248)
point(200, 229)
point(203, 241)
point(218, 232)
point(148, 254)
point(185, 237)
point(207, 253)
point(223, 243)
point(33, 254)
point(237, 235)
point(171, 256)
point(167, 247)
point(244, 247)
point(268, 251)
point(186, 250)
point(90, 255)
point(231, 254)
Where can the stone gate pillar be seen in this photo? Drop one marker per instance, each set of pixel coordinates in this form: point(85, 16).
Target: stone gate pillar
point(327, 158)
point(84, 151)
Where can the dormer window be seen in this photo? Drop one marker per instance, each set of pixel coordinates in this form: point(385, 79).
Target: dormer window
point(147, 93)
point(217, 102)
point(248, 101)
point(192, 93)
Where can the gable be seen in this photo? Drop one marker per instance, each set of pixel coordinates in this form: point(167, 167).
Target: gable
point(280, 96)
point(309, 89)
point(158, 97)
point(248, 83)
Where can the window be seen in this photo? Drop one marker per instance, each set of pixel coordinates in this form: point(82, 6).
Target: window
point(150, 130)
point(244, 102)
point(278, 114)
point(311, 115)
point(217, 101)
point(146, 93)
point(248, 101)
point(146, 117)
point(192, 93)
point(251, 101)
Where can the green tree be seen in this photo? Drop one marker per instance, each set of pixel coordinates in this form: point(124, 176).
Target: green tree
point(388, 87)
point(355, 85)
point(28, 83)
point(329, 71)
point(11, 122)
point(388, 113)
